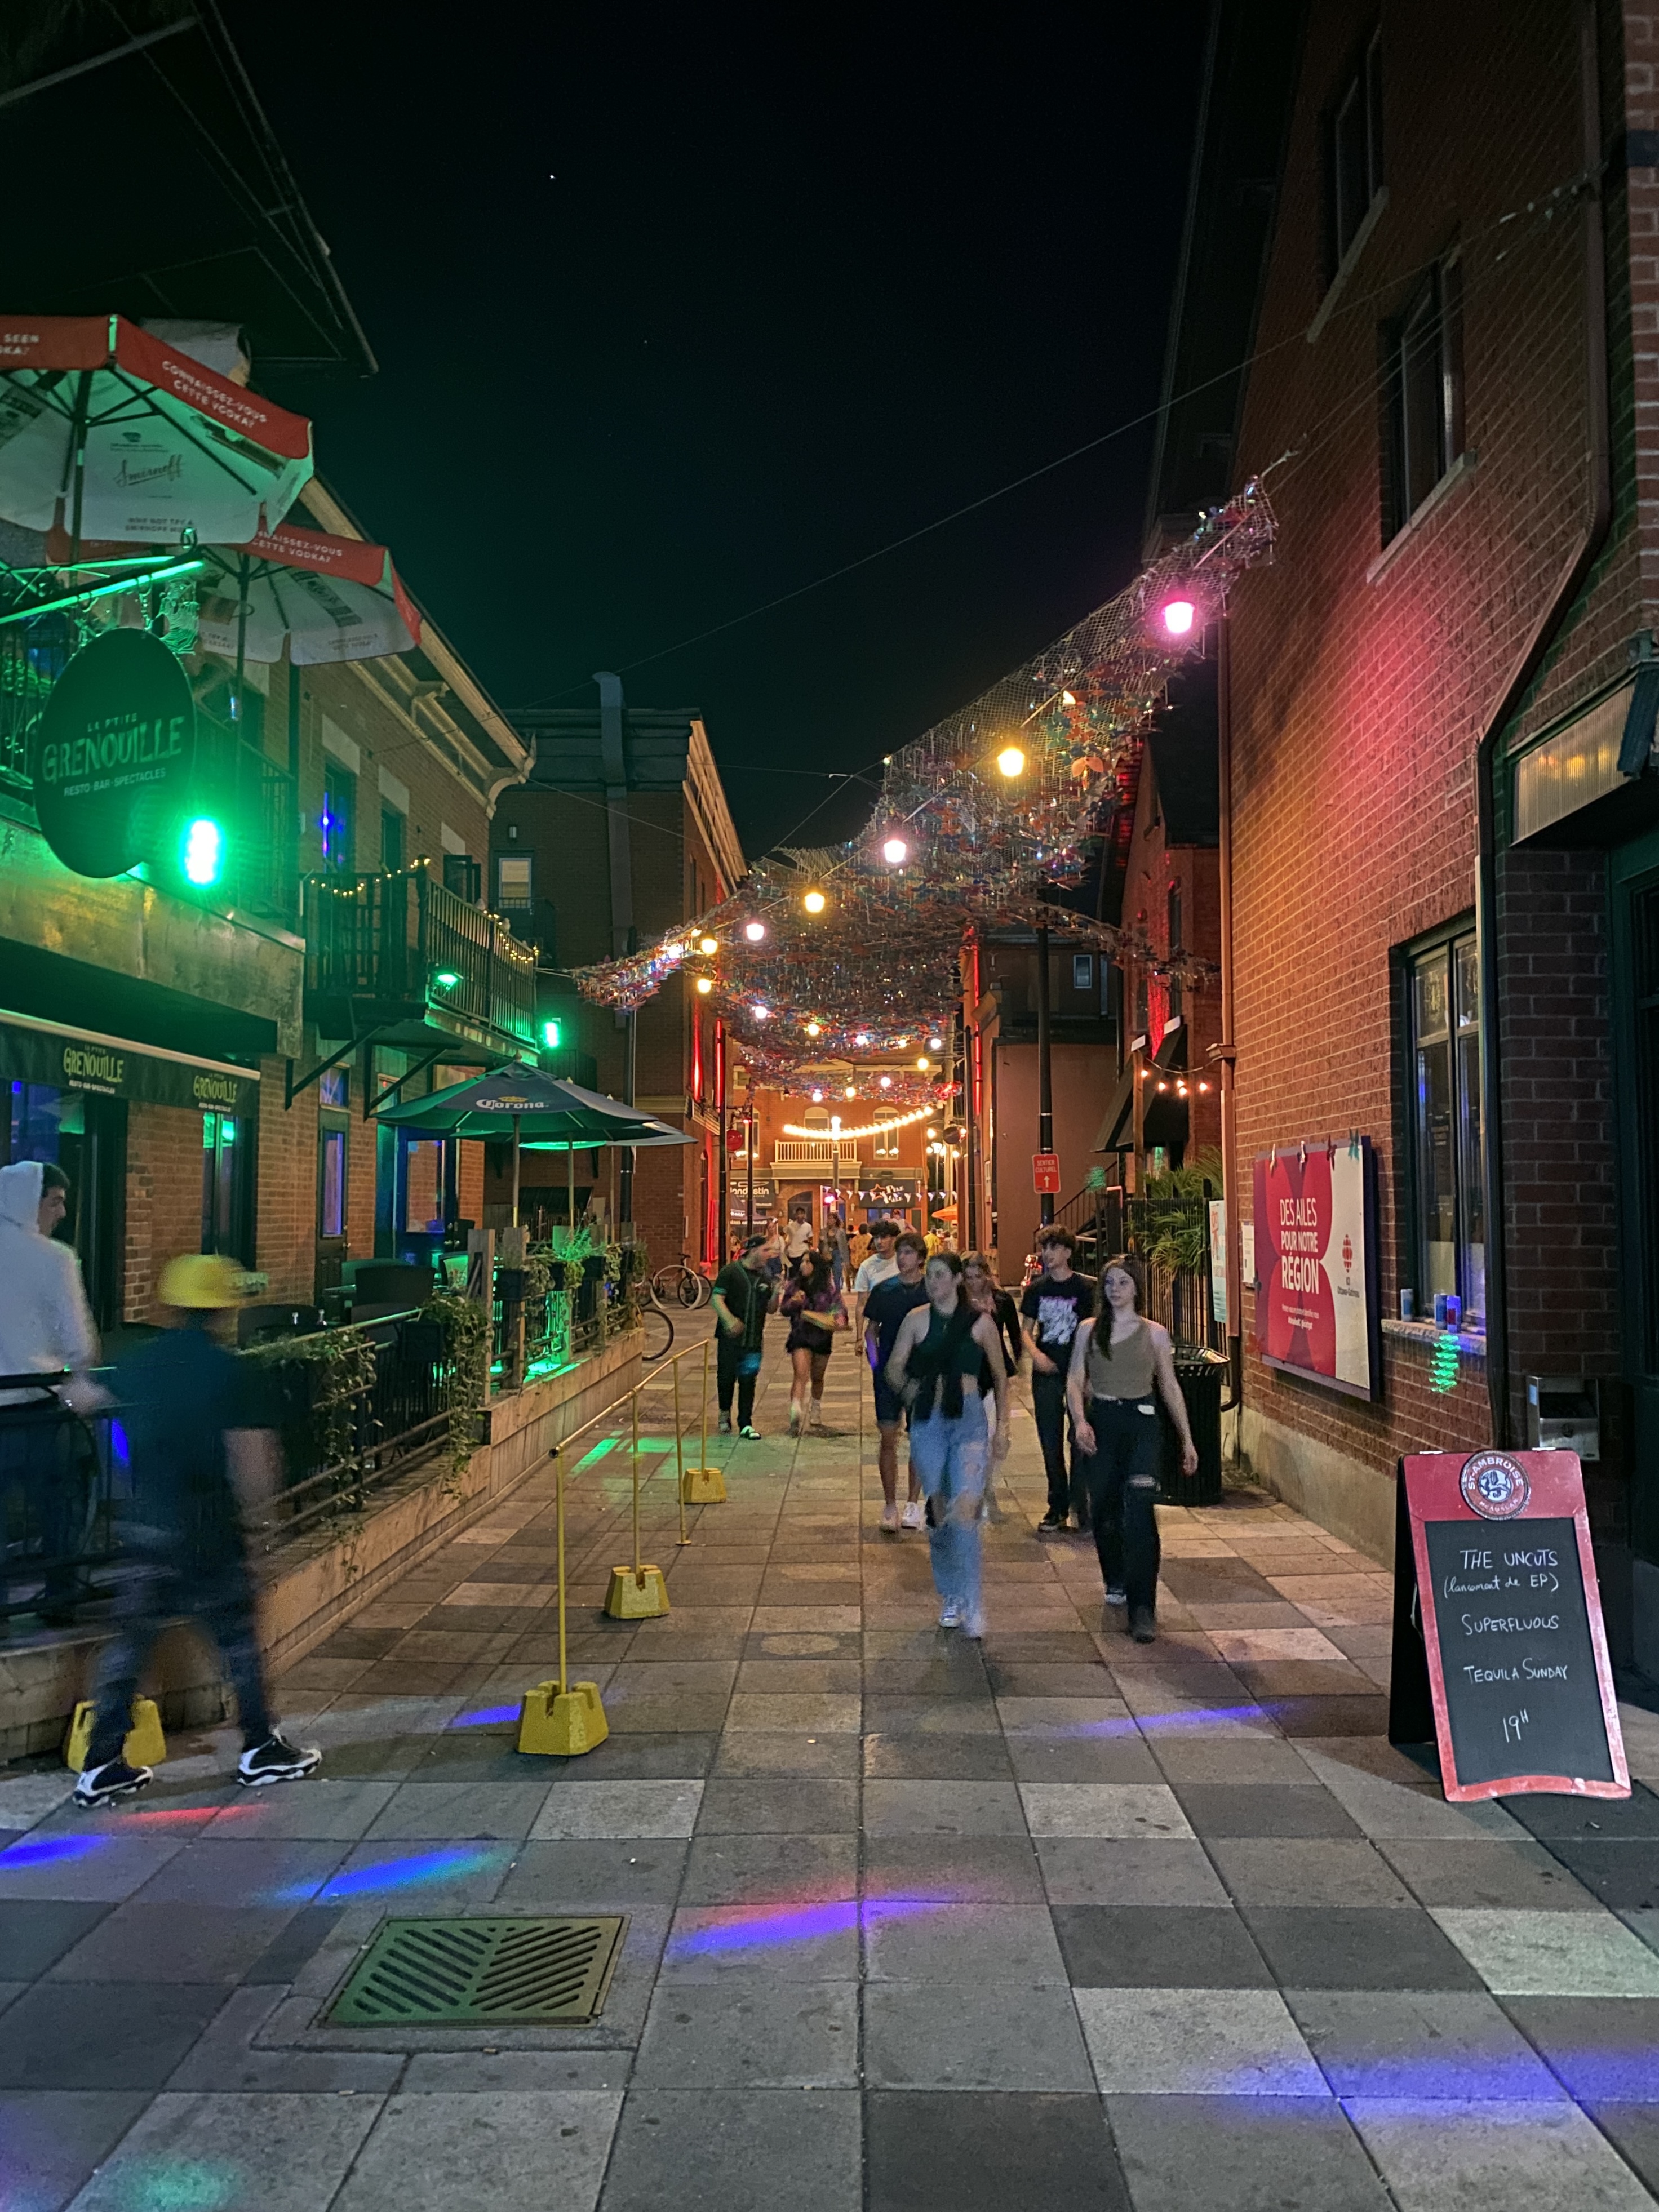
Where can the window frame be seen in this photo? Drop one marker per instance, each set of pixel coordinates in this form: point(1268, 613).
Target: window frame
point(1468, 1176)
point(1435, 306)
point(389, 814)
point(339, 781)
point(527, 862)
point(1359, 90)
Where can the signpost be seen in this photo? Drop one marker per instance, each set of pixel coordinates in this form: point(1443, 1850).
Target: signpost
point(1314, 1250)
point(1499, 1650)
point(1045, 1172)
point(114, 754)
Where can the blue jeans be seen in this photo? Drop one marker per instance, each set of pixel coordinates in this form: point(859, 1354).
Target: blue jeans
point(951, 1460)
point(217, 1598)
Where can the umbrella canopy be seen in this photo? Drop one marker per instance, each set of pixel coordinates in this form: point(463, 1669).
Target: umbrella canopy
point(110, 433)
point(327, 599)
point(524, 1103)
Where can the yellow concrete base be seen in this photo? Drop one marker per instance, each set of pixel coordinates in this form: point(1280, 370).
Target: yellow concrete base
point(636, 1598)
point(562, 1727)
point(145, 1746)
point(702, 1485)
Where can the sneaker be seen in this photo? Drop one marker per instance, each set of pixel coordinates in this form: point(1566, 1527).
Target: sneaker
point(1116, 1594)
point(814, 1414)
point(102, 1785)
point(724, 1428)
point(750, 1430)
point(794, 1420)
point(912, 1515)
point(276, 1759)
point(1052, 1524)
point(1142, 1626)
point(951, 1616)
point(972, 1624)
point(890, 1519)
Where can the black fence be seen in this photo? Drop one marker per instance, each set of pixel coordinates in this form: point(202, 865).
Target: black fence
point(60, 1480)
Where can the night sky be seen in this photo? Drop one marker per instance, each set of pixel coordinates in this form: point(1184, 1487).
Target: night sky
point(676, 314)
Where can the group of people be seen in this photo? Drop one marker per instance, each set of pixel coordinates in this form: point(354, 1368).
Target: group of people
point(942, 1338)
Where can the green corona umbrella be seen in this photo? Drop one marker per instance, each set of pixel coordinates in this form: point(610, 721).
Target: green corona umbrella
point(531, 1109)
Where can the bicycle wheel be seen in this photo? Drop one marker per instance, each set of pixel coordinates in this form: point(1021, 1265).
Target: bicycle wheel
point(664, 1285)
point(659, 1334)
point(691, 1286)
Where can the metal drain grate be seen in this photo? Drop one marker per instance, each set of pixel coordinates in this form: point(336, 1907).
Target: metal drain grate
point(460, 1973)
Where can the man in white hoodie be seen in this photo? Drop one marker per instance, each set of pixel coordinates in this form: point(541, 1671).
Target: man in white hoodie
point(46, 1328)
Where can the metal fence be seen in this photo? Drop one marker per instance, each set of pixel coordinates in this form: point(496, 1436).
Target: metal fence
point(60, 1480)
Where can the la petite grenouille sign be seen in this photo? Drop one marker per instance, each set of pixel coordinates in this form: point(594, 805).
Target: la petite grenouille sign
point(114, 752)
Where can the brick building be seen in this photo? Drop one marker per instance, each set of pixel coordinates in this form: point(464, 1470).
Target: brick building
point(1431, 236)
point(621, 831)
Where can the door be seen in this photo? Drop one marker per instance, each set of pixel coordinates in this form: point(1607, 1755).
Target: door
point(1633, 883)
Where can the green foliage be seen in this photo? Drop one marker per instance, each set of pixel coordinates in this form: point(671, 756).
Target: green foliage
point(1186, 1182)
point(346, 1356)
point(466, 1351)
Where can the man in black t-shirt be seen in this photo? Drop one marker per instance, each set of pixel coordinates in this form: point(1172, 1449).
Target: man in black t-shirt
point(744, 1294)
point(885, 1309)
point(202, 1449)
point(1050, 1313)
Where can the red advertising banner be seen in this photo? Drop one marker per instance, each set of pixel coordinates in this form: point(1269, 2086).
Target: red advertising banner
point(1496, 1594)
point(1316, 1263)
point(1045, 1171)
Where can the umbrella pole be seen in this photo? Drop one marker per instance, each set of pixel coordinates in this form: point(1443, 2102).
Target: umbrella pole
point(516, 1120)
point(570, 1185)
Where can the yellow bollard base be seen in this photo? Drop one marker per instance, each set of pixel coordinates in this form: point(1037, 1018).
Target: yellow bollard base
point(145, 1745)
point(703, 1485)
point(562, 1725)
point(636, 1598)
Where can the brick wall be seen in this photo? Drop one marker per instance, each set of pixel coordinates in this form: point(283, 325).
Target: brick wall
point(286, 1246)
point(164, 1199)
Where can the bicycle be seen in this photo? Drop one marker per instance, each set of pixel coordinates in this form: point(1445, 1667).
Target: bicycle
point(682, 1284)
point(659, 1332)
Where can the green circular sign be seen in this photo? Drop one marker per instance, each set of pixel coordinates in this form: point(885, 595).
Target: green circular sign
point(114, 754)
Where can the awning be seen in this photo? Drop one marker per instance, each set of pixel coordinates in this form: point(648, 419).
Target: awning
point(35, 1051)
point(112, 434)
point(1116, 1132)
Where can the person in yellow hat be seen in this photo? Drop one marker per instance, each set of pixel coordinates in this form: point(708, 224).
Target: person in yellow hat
point(202, 1450)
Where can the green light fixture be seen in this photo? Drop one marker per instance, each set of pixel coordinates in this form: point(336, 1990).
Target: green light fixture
point(204, 852)
point(550, 1035)
point(446, 979)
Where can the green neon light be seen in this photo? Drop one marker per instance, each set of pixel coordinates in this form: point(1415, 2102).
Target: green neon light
point(205, 852)
point(446, 979)
point(1442, 1365)
point(103, 591)
point(550, 1035)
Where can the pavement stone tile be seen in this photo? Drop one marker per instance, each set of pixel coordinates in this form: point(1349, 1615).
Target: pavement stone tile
point(751, 2034)
point(1087, 1870)
point(1304, 1870)
point(1420, 2043)
point(817, 1940)
point(1249, 1757)
point(1196, 2042)
point(444, 1811)
point(956, 1869)
point(1320, 1716)
point(725, 2150)
point(955, 1672)
point(755, 1869)
point(782, 1804)
point(1566, 1954)
point(1146, 1809)
point(445, 1877)
point(520, 2148)
point(754, 1754)
point(1486, 2154)
point(969, 2035)
point(222, 2143)
point(1150, 1947)
point(800, 1678)
point(1358, 1947)
point(823, 1714)
point(34, 1933)
point(297, 1942)
point(26, 1798)
point(1040, 2151)
point(52, 2140)
point(324, 1811)
point(1622, 1872)
point(1104, 1717)
point(224, 1871)
point(1391, 1811)
point(936, 1758)
point(885, 1716)
point(142, 1942)
point(101, 2035)
point(1483, 1872)
point(594, 1876)
point(1603, 2048)
point(580, 1810)
point(1634, 2131)
point(1263, 1809)
point(640, 1756)
point(910, 1939)
point(945, 1808)
point(1243, 2154)
point(1586, 1819)
point(93, 1864)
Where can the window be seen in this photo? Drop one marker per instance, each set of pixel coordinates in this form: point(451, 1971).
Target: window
point(338, 819)
point(1172, 922)
point(1083, 971)
point(1423, 379)
point(513, 884)
point(331, 1182)
point(463, 876)
point(1353, 154)
point(334, 1088)
point(887, 1142)
point(1448, 1152)
point(393, 839)
point(223, 1185)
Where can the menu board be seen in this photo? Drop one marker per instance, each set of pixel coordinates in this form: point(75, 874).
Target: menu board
point(1497, 1632)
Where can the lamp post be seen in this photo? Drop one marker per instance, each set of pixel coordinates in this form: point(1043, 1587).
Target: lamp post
point(1045, 1072)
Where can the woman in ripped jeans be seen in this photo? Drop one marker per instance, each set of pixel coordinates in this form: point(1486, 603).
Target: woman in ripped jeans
point(1118, 1361)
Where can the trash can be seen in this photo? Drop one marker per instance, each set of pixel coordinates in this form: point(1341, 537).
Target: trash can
point(1200, 1374)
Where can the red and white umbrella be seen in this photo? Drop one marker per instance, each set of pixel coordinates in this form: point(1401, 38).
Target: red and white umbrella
point(111, 434)
point(330, 599)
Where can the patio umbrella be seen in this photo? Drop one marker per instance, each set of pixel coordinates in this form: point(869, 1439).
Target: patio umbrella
point(112, 434)
point(327, 599)
point(531, 1107)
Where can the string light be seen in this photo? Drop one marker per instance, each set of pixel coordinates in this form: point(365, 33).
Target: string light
point(754, 931)
point(922, 1064)
point(933, 1043)
point(709, 946)
point(1011, 761)
point(862, 1038)
point(815, 1029)
point(875, 1129)
point(895, 852)
point(705, 985)
point(815, 902)
point(764, 1014)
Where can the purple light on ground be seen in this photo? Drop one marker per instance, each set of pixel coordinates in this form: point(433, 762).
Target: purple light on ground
point(50, 1850)
point(772, 1924)
point(391, 1874)
point(485, 1716)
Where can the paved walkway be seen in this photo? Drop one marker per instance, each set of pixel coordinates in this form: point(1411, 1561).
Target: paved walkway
point(1062, 1921)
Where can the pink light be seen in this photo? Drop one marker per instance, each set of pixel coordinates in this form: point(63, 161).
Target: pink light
point(1179, 615)
point(895, 852)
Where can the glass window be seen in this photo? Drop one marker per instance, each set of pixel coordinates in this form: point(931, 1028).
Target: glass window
point(222, 1173)
point(1083, 971)
point(334, 1087)
point(1426, 431)
point(420, 1196)
point(1448, 1156)
point(338, 819)
point(332, 1182)
point(1355, 151)
point(512, 881)
point(393, 840)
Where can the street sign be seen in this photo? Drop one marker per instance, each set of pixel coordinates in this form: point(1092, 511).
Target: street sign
point(1499, 1645)
point(1045, 1171)
point(114, 754)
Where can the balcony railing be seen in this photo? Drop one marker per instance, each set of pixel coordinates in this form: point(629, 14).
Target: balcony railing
point(816, 1153)
point(399, 944)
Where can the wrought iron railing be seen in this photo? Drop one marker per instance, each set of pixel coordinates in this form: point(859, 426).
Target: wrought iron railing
point(398, 938)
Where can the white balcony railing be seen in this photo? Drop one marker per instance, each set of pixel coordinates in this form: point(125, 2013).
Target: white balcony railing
point(816, 1153)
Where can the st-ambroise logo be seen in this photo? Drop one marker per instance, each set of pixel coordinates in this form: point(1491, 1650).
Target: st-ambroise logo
point(1494, 1485)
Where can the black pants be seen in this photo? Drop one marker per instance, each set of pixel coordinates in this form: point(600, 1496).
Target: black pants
point(217, 1600)
point(1065, 1494)
point(1122, 1479)
point(729, 1358)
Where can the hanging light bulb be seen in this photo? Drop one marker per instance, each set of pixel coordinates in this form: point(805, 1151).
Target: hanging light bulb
point(815, 902)
point(851, 1092)
point(896, 852)
point(1011, 761)
point(1178, 617)
point(933, 1043)
point(705, 985)
point(922, 1063)
point(754, 931)
point(817, 1098)
point(764, 1013)
point(862, 1037)
point(710, 945)
point(886, 1082)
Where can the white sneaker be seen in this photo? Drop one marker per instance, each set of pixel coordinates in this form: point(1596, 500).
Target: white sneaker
point(1117, 1594)
point(974, 1624)
point(951, 1616)
point(794, 1420)
point(913, 1516)
point(890, 1519)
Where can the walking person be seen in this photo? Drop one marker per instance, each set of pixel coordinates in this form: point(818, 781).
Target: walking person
point(987, 1296)
point(1118, 1361)
point(836, 1244)
point(46, 1328)
point(798, 1237)
point(816, 1310)
point(203, 1451)
point(884, 1309)
point(1051, 1311)
point(744, 1294)
point(880, 1265)
point(935, 1368)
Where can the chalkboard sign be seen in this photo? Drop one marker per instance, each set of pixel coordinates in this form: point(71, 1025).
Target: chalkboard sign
point(1497, 1634)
